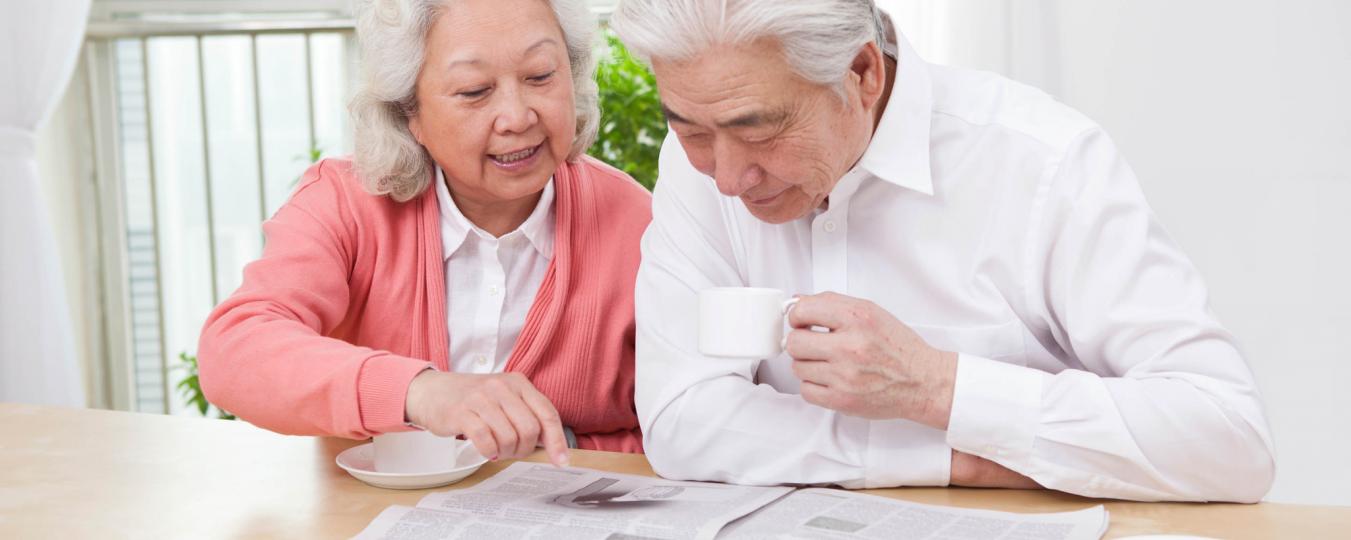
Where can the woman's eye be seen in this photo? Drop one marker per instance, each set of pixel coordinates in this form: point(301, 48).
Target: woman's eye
point(473, 94)
point(541, 77)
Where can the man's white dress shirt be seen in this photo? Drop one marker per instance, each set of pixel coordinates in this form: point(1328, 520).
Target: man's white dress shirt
point(491, 282)
point(998, 224)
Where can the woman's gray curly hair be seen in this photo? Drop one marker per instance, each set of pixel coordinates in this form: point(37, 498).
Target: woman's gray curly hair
point(393, 35)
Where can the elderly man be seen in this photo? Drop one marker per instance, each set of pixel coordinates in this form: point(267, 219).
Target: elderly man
point(1002, 307)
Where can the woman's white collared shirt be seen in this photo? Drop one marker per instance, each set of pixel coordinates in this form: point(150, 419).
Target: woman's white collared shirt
point(491, 282)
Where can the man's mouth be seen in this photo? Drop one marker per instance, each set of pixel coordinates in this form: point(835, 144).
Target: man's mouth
point(767, 199)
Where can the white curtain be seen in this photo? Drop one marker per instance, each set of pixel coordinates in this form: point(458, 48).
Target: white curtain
point(39, 44)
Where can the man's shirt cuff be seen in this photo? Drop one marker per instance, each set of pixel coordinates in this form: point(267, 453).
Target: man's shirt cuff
point(904, 453)
point(996, 409)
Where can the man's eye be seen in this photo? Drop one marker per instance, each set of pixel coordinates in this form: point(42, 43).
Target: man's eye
point(542, 77)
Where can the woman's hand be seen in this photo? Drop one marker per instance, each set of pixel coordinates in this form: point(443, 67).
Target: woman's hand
point(502, 414)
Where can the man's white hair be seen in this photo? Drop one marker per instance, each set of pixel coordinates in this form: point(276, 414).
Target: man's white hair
point(820, 38)
point(393, 36)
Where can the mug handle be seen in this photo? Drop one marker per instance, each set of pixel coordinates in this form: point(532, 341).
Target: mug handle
point(787, 306)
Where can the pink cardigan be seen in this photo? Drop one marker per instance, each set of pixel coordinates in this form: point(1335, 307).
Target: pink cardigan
point(348, 304)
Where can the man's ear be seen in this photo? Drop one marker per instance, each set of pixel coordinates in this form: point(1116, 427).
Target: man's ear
point(870, 70)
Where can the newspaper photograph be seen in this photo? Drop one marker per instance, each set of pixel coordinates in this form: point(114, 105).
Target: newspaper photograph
point(532, 500)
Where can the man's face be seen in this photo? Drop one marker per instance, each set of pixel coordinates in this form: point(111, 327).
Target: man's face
point(762, 132)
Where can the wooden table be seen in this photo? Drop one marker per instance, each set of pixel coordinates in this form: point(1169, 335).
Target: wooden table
point(73, 473)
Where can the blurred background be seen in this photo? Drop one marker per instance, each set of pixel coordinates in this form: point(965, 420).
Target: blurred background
point(186, 122)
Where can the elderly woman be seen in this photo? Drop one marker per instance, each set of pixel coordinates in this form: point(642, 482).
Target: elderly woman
point(469, 271)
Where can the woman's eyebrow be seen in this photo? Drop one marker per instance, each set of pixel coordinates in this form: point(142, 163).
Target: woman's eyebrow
point(475, 61)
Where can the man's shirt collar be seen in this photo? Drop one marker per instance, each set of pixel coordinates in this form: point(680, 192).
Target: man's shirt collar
point(899, 150)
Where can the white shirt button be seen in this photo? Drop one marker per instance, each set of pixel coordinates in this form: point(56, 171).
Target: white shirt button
point(829, 226)
point(481, 360)
point(492, 291)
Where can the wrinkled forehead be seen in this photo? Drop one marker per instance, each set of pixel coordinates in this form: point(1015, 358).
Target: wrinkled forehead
point(731, 85)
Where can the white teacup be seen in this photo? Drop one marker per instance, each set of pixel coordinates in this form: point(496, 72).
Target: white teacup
point(415, 452)
point(742, 322)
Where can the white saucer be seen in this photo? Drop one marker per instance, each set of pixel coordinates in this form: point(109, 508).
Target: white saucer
point(359, 461)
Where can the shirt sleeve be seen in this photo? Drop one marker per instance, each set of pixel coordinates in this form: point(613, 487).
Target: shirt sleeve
point(264, 351)
point(706, 418)
point(1158, 403)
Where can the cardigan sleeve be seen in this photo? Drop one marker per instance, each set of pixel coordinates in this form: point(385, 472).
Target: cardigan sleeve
point(263, 353)
point(625, 440)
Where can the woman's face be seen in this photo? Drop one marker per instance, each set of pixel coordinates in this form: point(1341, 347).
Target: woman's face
point(494, 99)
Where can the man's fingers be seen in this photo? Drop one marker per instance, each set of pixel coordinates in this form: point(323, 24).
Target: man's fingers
point(816, 394)
point(551, 427)
point(813, 371)
point(526, 425)
point(803, 344)
point(826, 310)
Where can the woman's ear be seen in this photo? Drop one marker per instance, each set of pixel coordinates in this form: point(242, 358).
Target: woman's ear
point(415, 127)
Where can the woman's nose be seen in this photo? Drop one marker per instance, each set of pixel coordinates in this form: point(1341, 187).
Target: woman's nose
point(514, 115)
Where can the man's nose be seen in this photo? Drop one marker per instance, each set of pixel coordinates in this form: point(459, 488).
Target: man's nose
point(733, 174)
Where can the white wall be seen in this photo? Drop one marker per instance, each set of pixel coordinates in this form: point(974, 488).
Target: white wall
point(1237, 118)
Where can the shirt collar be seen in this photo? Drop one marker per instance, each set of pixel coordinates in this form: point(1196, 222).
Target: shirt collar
point(455, 228)
point(899, 150)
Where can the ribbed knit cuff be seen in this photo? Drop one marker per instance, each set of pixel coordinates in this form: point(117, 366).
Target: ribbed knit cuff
point(382, 389)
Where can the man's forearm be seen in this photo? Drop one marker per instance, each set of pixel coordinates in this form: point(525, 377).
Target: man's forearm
point(973, 471)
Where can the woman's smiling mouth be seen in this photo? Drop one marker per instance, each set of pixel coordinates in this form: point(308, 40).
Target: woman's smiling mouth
point(517, 159)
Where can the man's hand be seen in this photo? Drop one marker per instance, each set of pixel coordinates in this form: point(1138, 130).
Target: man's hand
point(973, 471)
point(869, 364)
point(502, 414)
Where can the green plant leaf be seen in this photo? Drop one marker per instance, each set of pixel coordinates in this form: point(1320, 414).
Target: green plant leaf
point(632, 126)
point(190, 387)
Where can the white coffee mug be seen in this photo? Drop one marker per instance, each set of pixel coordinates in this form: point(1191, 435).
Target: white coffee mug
point(415, 452)
point(742, 322)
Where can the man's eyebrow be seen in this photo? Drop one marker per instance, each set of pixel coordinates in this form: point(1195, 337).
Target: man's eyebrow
point(757, 118)
point(671, 115)
point(751, 119)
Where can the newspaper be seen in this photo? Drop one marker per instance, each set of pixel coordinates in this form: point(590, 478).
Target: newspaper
point(535, 501)
point(532, 500)
point(835, 514)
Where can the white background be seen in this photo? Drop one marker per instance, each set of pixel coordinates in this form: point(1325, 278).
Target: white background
point(1236, 116)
